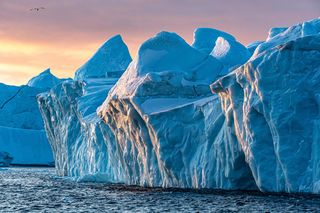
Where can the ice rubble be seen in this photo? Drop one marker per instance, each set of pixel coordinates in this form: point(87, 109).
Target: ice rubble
point(22, 133)
point(274, 102)
point(5, 159)
point(109, 61)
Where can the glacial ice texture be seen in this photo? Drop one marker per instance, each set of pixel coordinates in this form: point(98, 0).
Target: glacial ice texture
point(78, 138)
point(169, 128)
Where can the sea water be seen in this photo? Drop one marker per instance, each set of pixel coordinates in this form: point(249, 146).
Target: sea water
point(39, 190)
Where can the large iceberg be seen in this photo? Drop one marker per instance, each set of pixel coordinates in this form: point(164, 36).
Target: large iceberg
point(274, 102)
point(161, 125)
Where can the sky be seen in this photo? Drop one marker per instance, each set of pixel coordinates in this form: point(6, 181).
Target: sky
point(67, 32)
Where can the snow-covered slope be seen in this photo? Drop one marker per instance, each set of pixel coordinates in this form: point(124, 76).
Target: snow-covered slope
point(274, 102)
point(110, 60)
point(44, 80)
point(168, 128)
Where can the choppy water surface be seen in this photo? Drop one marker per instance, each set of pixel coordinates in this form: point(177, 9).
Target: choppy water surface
point(37, 190)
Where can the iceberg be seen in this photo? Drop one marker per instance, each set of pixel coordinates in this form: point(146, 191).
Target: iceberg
point(212, 115)
point(274, 103)
point(110, 60)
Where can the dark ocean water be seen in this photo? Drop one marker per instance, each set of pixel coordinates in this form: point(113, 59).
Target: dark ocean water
point(38, 190)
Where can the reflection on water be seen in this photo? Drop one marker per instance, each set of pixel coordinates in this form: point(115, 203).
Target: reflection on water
point(37, 190)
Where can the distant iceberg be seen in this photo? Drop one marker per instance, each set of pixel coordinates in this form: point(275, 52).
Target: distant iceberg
point(22, 133)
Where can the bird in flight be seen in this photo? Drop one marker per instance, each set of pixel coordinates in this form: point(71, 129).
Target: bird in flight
point(37, 8)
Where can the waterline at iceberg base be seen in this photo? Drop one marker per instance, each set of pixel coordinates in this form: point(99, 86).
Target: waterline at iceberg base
point(161, 125)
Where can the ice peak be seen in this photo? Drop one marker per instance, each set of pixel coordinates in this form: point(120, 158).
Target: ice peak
point(204, 39)
point(44, 80)
point(230, 52)
point(110, 60)
point(279, 36)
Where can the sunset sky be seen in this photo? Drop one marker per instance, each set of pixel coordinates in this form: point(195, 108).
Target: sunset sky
point(67, 32)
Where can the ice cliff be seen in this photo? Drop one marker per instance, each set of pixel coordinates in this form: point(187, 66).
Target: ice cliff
point(274, 102)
